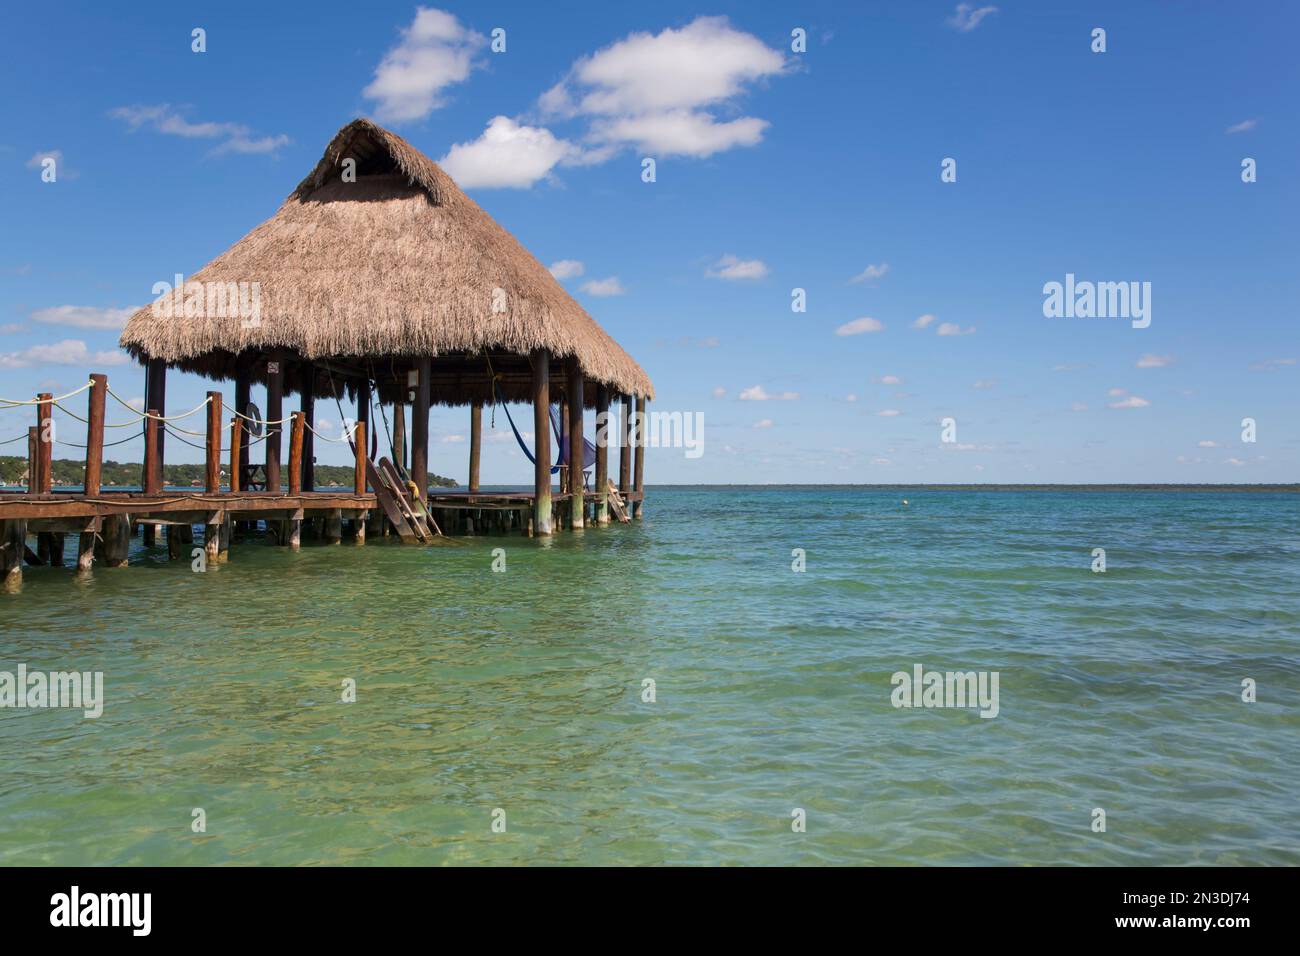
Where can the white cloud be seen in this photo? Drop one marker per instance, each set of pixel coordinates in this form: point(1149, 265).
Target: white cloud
point(1207, 444)
point(757, 393)
point(763, 423)
point(966, 18)
point(11, 327)
point(506, 156)
point(985, 383)
point(84, 316)
point(656, 91)
point(922, 321)
point(1243, 127)
point(1078, 407)
point(871, 272)
point(952, 328)
point(732, 268)
point(1237, 462)
point(603, 288)
point(1155, 361)
point(890, 380)
point(162, 118)
point(859, 326)
point(719, 392)
point(850, 397)
point(1271, 365)
point(1114, 392)
point(889, 413)
point(1133, 401)
point(435, 52)
point(67, 352)
point(452, 439)
point(567, 269)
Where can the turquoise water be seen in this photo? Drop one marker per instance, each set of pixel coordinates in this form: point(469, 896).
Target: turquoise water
point(523, 690)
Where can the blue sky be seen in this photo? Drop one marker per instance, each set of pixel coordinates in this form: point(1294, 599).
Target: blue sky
point(775, 170)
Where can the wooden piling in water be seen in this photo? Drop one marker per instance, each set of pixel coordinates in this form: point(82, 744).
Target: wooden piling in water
point(541, 360)
point(94, 462)
point(296, 431)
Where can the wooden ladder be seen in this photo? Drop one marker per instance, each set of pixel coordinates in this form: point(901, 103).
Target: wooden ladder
point(616, 503)
point(392, 498)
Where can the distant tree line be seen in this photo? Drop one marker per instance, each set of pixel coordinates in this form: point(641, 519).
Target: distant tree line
point(13, 471)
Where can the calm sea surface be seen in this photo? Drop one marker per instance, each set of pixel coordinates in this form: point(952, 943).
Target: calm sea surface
point(523, 690)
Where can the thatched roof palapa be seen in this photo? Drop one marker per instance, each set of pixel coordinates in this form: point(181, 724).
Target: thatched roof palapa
point(372, 273)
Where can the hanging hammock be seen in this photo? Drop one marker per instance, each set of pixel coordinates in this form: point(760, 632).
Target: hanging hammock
point(561, 438)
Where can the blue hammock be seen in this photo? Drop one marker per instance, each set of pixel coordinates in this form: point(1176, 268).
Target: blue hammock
point(562, 439)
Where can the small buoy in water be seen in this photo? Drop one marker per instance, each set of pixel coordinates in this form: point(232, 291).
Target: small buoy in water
point(904, 501)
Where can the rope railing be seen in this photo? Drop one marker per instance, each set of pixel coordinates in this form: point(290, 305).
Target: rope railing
point(15, 403)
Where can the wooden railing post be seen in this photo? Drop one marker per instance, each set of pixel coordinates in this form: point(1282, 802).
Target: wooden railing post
point(213, 484)
point(33, 461)
point(295, 453)
point(95, 434)
point(45, 439)
point(359, 472)
point(236, 453)
point(152, 469)
point(625, 450)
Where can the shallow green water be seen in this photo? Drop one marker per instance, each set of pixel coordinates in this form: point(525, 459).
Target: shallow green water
point(522, 690)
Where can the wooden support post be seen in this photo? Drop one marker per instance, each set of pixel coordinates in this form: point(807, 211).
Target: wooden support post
point(359, 469)
point(399, 435)
point(117, 540)
point(176, 542)
point(359, 527)
point(334, 527)
point(86, 551)
point(155, 397)
point(577, 498)
point(601, 481)
point(308, 404)
point(152, 471)
point(237, 452)
point(223, 538)
point(212, 482)
point(420, 427)
point(294, 532)
point(541, 360)
point(625, 450)
point(475, 444)
point(274, 412)
point(13, 545)
point(296, 431)
point(639, 469)
point(239, 462)
point(363, 409)
point(212, 537)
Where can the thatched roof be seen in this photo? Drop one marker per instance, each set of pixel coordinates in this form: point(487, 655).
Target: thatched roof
point(398, 264)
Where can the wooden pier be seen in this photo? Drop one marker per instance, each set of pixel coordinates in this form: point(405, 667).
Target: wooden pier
point(380, 283)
